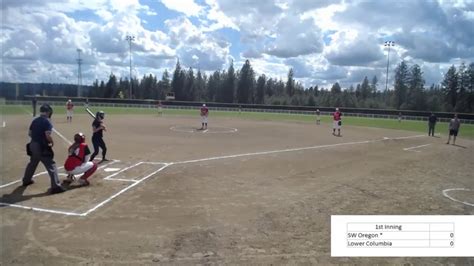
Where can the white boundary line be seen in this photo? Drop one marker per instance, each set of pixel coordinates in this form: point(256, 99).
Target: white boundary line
point(229, 130)
point(416, 147)
point(165, 165)
point(51, 210)
point(292, 150)
point(176, 129)
point(183, 129)
point(407, 137)
point(61, 136)
point(123, 170)
point(16, 181)
point(41, 209)
point(123, 190)
point(445, 193)
point(45, 172)
point(54, 130)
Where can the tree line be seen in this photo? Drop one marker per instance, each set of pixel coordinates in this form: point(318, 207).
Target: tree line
point(454, 94)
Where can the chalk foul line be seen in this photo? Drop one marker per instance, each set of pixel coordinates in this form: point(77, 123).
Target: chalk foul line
point(293, 149)
point(135, 182)
point(415, 147)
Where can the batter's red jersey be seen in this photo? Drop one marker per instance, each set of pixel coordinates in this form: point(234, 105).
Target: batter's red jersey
point(69, 105)
point(204, 111)
point(337, 116)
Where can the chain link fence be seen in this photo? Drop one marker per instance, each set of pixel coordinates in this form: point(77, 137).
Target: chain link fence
point(235, 109)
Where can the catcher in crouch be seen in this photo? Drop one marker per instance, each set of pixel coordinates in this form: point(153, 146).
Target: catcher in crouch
point(78, 161)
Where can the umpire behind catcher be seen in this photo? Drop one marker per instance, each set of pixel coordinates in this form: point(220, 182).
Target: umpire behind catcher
point(40, 149)
point(98, 127)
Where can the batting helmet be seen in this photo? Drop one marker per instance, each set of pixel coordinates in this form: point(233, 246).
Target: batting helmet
point(79, 137)
point(46, 108)
point(100, 115)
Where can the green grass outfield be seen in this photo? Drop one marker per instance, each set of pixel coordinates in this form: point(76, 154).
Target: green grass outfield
point(467, 130)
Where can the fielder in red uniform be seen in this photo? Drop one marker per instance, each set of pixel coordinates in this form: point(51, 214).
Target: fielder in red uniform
point(70, 110)
point(204, 115)
point(337, 122)
point(78, 161)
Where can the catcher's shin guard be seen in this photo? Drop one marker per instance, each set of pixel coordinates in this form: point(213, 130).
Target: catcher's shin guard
point(89, 172)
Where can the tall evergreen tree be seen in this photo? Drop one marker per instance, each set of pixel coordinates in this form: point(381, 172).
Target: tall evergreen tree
point(450, 88)
point(177, 83)
point(213, 86)
point(365, 88)
point(260, 97)
point(245, 84)
point(226, 93)
point(200, 86)
point(189, 92)
point(373, 85)
point(111, 87)
point(164, 85)
point(101, 93)
point(416, 97)
point(290, 83)
point(316, 91)
point(336, 88)
point(401, 84)
point(94, 92)
point(470, 87)
point(270, 87)
point(462, 104)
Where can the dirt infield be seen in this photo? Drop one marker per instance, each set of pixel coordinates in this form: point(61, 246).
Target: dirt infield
point(261, 194)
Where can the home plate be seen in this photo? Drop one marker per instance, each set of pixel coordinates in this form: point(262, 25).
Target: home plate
point(111, 169)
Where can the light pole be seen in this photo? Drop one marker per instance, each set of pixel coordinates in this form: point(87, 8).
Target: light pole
point(79, 72)
point(388, 44)
point(130, 39)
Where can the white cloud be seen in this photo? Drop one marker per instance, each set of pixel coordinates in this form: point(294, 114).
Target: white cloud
point(295, 37)
point(216, 19)
point(190, 42)
point(187, 7)
point(350, 48)
point(324, 41)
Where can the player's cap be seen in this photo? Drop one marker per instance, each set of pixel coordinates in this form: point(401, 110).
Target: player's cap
point(337, 109)
point(204, 105)
point(100, 115)
point(79, 137)
point(46, 109)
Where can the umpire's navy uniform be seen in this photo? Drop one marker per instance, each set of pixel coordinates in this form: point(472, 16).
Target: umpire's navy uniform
point(40, 150)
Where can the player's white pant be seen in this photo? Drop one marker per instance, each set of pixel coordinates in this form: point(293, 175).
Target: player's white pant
point(69, 113)
point(204, 119)
point(335, 125)
point(81, 168)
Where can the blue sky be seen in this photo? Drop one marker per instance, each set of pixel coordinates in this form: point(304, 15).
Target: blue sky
point(323, 41)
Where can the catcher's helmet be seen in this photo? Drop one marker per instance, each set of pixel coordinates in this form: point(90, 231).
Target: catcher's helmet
point(46, 108)
point(79, 137)
point(100, 115)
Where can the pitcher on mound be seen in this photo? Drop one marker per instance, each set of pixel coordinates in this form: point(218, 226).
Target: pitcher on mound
point(204, 116)
point(337, 122)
